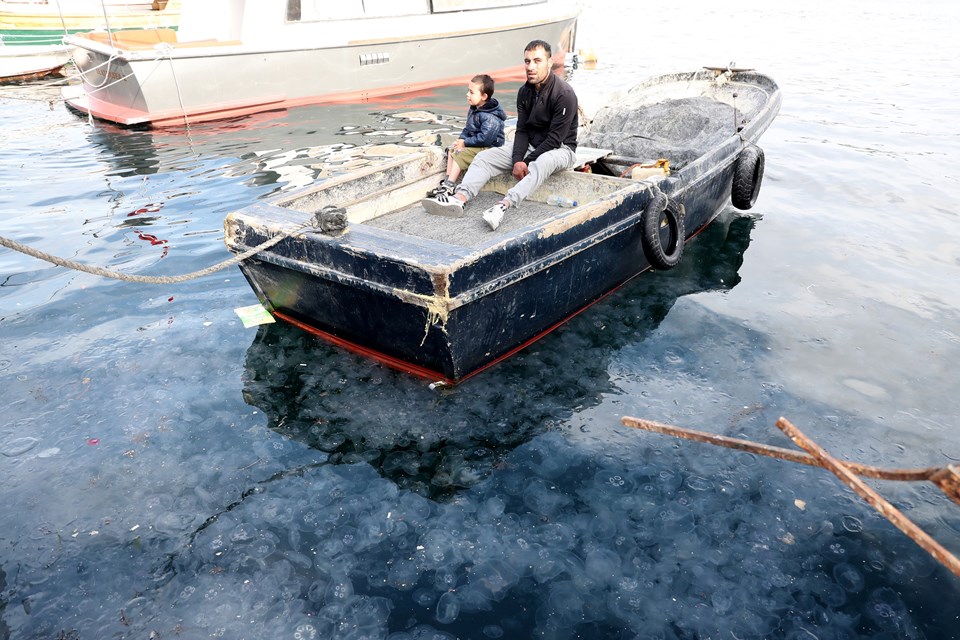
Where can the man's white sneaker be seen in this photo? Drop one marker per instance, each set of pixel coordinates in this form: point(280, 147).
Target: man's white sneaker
point(494, 215)
point(443, 205)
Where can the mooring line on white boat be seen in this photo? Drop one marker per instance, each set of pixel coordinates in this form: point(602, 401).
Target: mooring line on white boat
point(322, 222)
point(165, 49)
point(106, 75)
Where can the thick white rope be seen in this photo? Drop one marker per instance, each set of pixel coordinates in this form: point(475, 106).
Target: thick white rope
point(119, 275)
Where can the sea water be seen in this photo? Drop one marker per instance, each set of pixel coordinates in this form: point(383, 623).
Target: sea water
point(168, 473)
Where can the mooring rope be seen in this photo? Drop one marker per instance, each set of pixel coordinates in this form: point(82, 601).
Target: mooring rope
point(128, 277)
point(165, 49)
point(106, 75)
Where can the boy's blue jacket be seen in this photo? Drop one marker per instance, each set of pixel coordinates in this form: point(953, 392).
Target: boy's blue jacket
point(484, 125)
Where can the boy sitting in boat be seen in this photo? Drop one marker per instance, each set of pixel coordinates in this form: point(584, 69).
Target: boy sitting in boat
point(545, 142)
point(484, 130)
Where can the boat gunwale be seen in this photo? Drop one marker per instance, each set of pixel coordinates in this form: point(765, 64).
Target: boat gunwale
point(717, 160)
point(212, 48)
point(448, 270)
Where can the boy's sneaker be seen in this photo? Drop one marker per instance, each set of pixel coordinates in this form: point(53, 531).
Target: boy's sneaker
point(494, 215)
point(443, 205)
point(445, 187)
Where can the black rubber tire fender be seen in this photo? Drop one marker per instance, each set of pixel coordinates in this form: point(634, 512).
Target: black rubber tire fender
point(747, 176)
point(662, 232)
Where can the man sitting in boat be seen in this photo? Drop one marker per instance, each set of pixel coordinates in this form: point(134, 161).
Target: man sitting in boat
point(484, 129)
point(545, 142)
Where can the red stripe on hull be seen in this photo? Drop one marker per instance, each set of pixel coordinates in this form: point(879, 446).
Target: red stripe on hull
point(424, 372)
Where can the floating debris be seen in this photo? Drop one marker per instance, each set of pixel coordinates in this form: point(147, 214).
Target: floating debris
point(343, 155)
point(254, 315)
point(386, 132)
point(387, 151)
point(423, 138)
point(295, 176)
point(419, 116)
point(18, 446)
point(279, 160)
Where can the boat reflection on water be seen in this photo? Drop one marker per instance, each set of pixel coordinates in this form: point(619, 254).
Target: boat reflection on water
point(4, 629)
point(136, 151)
point(285, 147)
point(438, 441)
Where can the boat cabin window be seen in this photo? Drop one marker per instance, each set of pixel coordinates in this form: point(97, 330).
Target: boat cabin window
point(293, 10)
point(441, 6)
point(315, 10)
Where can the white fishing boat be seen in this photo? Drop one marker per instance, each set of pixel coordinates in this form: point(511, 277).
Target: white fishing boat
point(236, 57)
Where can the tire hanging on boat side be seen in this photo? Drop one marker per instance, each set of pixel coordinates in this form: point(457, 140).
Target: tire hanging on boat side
point(747, 176)
point(662, 232)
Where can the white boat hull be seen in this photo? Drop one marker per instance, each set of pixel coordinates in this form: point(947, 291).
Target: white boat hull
point(31, 62)
point(173, 83)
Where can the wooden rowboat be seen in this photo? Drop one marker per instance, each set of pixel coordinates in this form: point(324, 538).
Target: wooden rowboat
point(446, 297)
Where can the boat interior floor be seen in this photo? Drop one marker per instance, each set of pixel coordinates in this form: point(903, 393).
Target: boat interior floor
point(680, 130)
point(470, 231)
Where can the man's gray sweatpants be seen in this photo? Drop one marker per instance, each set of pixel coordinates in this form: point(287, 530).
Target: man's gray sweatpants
point(497, 160)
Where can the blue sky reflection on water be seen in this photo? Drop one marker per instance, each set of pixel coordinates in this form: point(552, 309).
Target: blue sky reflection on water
point(167, 471)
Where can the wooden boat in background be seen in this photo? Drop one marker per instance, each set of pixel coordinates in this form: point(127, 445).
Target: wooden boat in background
point(32, 31)
point(446, 297)
point(31, 62)
point(46, 22)
point(236, 57)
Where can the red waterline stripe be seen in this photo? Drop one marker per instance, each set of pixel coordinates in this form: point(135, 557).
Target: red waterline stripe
point(379, 356)
point(423, 372)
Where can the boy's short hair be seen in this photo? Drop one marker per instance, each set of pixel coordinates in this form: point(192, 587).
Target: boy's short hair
point(534, 44)
point(485, 82)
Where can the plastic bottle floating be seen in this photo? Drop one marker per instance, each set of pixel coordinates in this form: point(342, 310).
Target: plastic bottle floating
point(561, 201)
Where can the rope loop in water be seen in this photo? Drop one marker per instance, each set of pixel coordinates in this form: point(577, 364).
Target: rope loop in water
point(129, 277)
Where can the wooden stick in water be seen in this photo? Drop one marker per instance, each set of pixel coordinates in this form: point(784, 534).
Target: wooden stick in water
point(789, 455)
point(874, 499)
point(946, 478)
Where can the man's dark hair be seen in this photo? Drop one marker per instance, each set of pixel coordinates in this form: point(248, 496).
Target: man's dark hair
point(534, 44)
point(485, 82)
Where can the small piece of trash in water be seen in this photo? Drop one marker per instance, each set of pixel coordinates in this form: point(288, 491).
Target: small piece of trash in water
point(134, 527)
point(93, 441)
point(800, 504)
point(254, 315)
